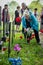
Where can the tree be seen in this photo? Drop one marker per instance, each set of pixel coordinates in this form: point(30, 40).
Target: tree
point(36, 4)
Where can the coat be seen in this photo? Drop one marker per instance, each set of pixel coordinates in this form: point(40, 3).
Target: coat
point(33, 22)
point(3, 15)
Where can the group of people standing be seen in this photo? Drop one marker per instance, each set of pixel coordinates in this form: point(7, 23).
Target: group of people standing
point(28, 19)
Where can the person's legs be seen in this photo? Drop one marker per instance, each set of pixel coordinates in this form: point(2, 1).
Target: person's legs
point(7, 27)
point(22, 30)
point(4, 28)
point(16, 27)
point(37, 36)
point(28, 39)
point(25, 34)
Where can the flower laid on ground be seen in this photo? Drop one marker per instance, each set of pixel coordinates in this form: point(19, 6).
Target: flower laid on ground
point(21, 37)
point(41, 31)
point(15, 61)
point(17, 47)
point(4, 48)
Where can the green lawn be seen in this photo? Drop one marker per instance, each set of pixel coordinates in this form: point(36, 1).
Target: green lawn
point(31, 54)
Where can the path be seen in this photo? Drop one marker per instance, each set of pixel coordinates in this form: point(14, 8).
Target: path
point(41, 38)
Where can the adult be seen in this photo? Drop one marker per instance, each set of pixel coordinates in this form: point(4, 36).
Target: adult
point(41, 16)
point(22, 11)
point(23, 8)
point(35, 12)
point(33, 24)
point(6, 18)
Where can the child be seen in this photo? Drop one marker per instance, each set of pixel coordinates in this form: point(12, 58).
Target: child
point(17, 14)
point(5, 19)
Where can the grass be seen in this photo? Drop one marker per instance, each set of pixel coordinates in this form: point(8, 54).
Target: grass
point(31, 54)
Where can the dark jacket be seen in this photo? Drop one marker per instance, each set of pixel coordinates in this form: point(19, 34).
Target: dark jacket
point(33, 23)
point(7, 16)
point(16, 15)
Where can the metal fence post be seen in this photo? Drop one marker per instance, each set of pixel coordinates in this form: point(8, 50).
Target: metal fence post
point(0, 23)
point(9, 39)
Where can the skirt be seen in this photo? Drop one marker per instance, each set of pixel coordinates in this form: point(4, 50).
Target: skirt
point(17, 23)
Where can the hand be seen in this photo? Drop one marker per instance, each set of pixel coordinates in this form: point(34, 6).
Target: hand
point(25, 30)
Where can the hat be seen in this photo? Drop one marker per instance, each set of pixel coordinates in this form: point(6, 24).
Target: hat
point(26, 12)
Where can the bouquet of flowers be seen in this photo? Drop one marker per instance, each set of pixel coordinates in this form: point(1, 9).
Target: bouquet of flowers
point(29, 32)
point(17, 48)
point(18, 19)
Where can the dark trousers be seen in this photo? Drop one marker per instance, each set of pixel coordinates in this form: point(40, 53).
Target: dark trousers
point(5, 28)
point(26, 36)
point(36, 35)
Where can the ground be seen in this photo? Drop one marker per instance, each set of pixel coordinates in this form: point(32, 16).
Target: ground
point(31, 54)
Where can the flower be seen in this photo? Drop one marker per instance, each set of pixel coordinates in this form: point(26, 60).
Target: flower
point(41, 31)
point(15, 61)
point(33, 35)
point(21, 37)
point(17, 47)
point(4, 48)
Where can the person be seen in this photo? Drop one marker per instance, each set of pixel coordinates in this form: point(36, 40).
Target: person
point(23, 8)
point(41, 26)
point(35, 12)
point(22, 11)
point(6, 18)
point(33, 24)
point(27, 21)
point(41, 16)
point(17, 15)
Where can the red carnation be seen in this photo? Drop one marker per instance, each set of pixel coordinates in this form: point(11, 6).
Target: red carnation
point(4, 48)
point(21, 37)
point(33, 34)
point(32, 37)
point(41, 31)
point(18, 19)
